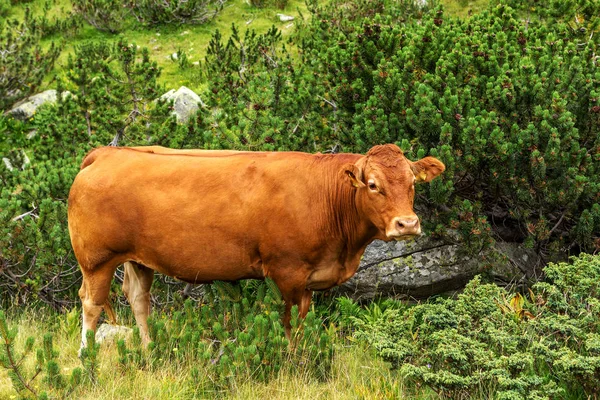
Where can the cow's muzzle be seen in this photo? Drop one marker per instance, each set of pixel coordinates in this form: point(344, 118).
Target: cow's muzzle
point(404, 227)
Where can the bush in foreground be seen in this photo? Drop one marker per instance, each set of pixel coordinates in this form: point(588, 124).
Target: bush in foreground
point(488, 342)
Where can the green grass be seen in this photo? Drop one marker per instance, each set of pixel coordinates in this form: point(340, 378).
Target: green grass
point(163, 41)
point(357, 374)
point(462, 8)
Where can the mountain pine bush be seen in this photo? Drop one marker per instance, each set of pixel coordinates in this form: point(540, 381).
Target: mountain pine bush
point(161, 12)
point(541, 345)
point(511, 106)
point(23, 62)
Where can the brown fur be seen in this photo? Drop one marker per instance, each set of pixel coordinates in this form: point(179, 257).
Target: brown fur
point(224, 215)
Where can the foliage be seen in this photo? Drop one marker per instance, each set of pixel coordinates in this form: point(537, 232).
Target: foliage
point(510, 106)
point(159, 12)
point(265, 3)
point(543, 345)
point(261, 98)
point(54, 381)
point(23, 62)
point(105, 15)
point(237, 331)
point(4, 8)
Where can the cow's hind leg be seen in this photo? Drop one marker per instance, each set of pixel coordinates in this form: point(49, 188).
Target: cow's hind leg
point(136, 286)
point(94, 294)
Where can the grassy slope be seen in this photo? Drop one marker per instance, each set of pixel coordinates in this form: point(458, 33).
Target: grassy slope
point(163, 41)
point(356, 373)
point(194, 39)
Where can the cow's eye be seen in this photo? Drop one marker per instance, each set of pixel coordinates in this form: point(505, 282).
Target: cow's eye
point(372, 186)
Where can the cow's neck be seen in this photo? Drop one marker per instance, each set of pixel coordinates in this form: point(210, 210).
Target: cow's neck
point(350, 230)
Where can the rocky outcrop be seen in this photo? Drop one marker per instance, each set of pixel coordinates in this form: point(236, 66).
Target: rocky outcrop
point(425, 267)
point(26, 108)
point(185, 103)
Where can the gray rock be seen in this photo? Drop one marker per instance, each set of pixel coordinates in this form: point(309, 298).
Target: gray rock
point(109, 333)
point(185, 103)
point(425, 267)
point(26, 108)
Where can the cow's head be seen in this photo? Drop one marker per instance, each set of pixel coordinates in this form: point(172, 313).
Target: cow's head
point(385, 189)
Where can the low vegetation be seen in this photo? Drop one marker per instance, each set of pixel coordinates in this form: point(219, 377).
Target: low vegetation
point(487, 342)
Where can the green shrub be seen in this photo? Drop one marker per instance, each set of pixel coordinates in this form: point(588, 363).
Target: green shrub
point(236, 332)
point(510, 106)
point(159, 12)
point(23, 383)
point(479, 343)
point(24, 62)
point(4, 8)
point(104, 15)
point(281, 4)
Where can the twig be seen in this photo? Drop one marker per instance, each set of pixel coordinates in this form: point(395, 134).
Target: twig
point(26, 214)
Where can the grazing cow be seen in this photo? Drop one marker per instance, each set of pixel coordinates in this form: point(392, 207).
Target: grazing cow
point(303, 220)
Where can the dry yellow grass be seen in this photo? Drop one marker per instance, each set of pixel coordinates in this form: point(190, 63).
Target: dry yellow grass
point(356, 373)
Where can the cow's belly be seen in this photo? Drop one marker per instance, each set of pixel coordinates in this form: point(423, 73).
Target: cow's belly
point(200, 257)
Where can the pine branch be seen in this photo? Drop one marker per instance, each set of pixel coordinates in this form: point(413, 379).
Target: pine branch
point(13, 366)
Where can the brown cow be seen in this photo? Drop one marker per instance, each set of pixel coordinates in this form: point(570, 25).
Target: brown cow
point(304, 220)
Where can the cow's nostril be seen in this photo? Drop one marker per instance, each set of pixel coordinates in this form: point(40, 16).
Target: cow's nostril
point(400, 225)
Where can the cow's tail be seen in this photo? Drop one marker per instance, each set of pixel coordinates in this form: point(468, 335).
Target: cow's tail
point(110, 312)
point(90, 157)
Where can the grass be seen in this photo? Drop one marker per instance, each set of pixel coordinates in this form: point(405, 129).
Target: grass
point(163, 41)
point(357, 373)
point(462, 8)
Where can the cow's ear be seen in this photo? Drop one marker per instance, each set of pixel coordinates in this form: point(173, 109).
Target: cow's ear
point(353, 173)
point(427, 168)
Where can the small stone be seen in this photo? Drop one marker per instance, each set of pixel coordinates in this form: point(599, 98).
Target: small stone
point(285, 18)
point(185, 33)
point(108, 333)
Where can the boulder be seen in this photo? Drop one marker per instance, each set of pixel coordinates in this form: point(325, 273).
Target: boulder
point(26, 108)
point(185, 103)
point(425, 267)
point(109, 333)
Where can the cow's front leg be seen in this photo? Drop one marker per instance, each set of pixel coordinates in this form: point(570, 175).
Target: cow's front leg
point(297, 296)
